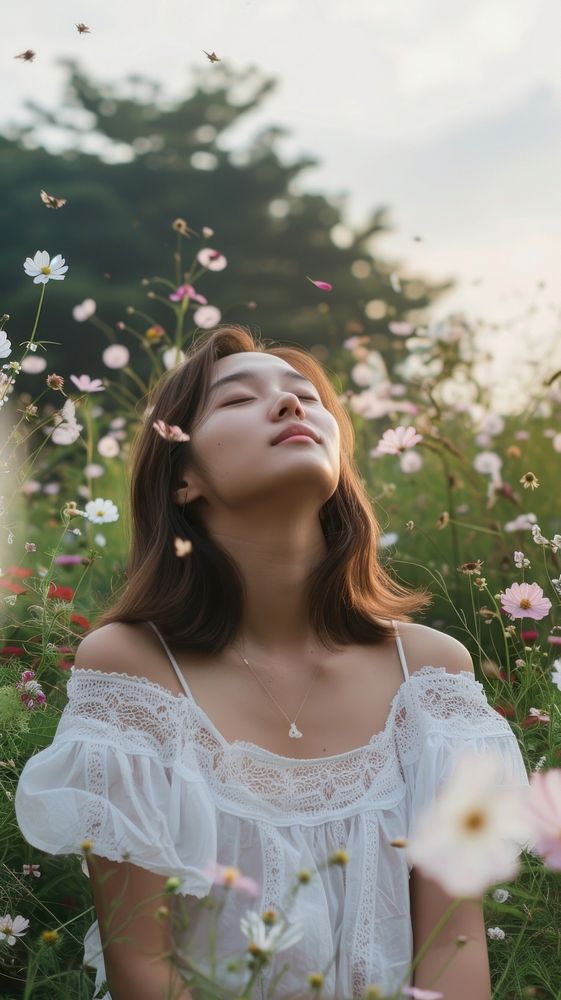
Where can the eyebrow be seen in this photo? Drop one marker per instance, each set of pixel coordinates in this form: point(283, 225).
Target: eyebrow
point(253, 377)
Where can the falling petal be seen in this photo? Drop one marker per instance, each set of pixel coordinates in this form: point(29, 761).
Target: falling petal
point(323, 285)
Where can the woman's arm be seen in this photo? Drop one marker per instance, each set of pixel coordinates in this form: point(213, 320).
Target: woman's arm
point(467, 976)
point(134, 941)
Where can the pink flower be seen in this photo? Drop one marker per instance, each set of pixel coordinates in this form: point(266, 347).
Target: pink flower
point(232, 878)
point(85, 384)
point(213, 260)
point(187, 291)
point(401, 329)
point(170, 432)
point(32, 870)
point(538, 715)
point(393, 442)
point(179, 294)
point(31, 693)
point(68, 560)
point(84, 310)
point(32, 365)
point(544, 808)
point(525, 600)
point(555, 640)
point(323, 285)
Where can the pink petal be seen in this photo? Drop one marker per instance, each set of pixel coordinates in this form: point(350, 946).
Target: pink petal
point(324, 285)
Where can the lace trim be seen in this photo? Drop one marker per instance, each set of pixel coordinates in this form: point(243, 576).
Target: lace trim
point(140, 716)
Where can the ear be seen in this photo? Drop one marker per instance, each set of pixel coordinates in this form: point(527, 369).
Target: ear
point(186, 493)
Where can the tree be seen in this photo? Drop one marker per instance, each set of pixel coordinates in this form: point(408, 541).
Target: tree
point(162, 161)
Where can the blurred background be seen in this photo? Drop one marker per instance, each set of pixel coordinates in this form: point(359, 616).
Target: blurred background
point(409, 153)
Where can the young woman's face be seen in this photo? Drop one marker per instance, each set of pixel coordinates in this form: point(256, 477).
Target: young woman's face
point(255, 397)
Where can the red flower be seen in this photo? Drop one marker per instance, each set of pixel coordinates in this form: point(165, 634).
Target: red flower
point(80, 620)
point(529, 635)
point(64, 593)
point(15, 588)
point(508, 711)
point(18, 571)
point(12, 651)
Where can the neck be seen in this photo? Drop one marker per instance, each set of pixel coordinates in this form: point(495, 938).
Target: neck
point(275, 562)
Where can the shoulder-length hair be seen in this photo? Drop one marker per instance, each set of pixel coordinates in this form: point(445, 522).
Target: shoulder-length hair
point(197, 600)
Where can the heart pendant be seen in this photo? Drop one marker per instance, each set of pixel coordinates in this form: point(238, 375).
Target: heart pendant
point(293, 732)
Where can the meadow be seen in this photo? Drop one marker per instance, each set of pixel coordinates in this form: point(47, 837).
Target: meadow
point(467, 501)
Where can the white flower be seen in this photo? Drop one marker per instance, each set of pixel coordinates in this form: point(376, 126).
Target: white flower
point(388, 539)
point(116, 356)
point(537, 535)
point(555, 543)
point(67, 429)
point(12, 928)
point(492, 423)
point(269, 939)
point(488, 463)
point(42, 268)
point(207, 316)
point(501, 895)
point(93, 471)
point(172, 357)
point(410, 461)
point(556, 673)
point(108, 446)
point(520, 560)
point(496, 933)
point(212, 259)
point(101, 511)
point(5, 345)
point(556, 584)
point(470, 836)
point(363, 374)
point(84, 310)
point(521, 523)
point(100, 540)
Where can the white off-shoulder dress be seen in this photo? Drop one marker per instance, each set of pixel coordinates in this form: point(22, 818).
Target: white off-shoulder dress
point(145, 774)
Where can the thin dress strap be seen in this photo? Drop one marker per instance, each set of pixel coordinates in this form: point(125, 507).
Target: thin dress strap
point(173, 661)
point(399, 645)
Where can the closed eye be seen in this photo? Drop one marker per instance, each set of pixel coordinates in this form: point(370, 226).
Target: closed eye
point(247, 399)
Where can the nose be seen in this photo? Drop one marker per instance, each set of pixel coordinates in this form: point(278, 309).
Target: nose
point(288, 402)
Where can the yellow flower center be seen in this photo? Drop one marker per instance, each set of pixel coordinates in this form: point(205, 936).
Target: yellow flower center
point(525, 603)
point(474, 821)
point(231, 876)
point(45, 270)
point(49, 937)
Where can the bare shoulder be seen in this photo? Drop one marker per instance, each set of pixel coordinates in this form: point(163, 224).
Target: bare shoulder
point(426, 646)
point(122, 647)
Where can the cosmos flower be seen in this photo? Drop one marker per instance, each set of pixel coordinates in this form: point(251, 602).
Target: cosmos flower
point(41, 268)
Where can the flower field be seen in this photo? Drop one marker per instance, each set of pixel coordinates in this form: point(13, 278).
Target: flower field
point(468, 504)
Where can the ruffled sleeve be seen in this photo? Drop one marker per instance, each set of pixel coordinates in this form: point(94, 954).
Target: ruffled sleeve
point(443, 715)
point(118, 773)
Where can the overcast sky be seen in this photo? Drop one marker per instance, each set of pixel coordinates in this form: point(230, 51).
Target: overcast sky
point(447, 112)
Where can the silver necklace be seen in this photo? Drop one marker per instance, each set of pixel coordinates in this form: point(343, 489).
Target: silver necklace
point(293, 731)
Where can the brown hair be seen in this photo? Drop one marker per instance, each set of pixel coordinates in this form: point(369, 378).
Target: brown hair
point(197, 600)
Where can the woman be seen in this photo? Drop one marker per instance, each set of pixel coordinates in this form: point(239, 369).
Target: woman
point(251, 702)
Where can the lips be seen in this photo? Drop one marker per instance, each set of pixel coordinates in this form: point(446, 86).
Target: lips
point(292, 430)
